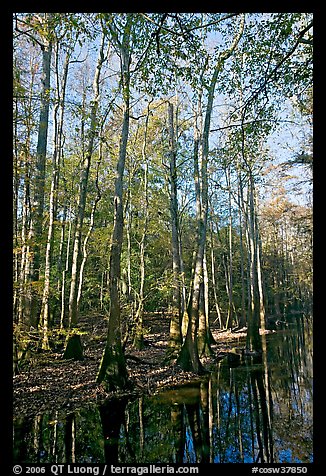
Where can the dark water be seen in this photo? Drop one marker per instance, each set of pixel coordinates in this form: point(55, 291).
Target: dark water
point(250, 413)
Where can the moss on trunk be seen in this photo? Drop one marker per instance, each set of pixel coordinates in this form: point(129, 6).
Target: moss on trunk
point(74, 348)
point(113, 371)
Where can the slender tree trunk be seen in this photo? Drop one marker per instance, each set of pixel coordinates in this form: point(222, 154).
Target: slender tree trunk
point(175, 338)
point(243, 320)
point(253, 337)
point(113, 370)
point(205, 338)
point(206, 289)
point(83, 186)
point(44, 317)
point(210, 337)
point(88, 234)
point(25, 259)
point(230, 318)
point(16, 179)
point(249, 264)
point(214, 284)
point(139, 337)
point(25, 166)
point(113, 366)
point(130, 294)
point(259, 276)
point(188, 357)
point(36, 225)
point(58, 125)
point(183, 283)
point(60, 260)
point(65, 271)
point(185, 316)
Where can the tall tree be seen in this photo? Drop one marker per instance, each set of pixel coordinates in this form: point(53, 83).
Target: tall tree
point(39, 28)
point(58, 116)
point(188, 357)
point(139, 315)
point(113, 370)
point(24, 127)
point(83, 184)
point(175, 338)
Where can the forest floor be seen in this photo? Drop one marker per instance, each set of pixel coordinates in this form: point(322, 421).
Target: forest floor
point(48, 381)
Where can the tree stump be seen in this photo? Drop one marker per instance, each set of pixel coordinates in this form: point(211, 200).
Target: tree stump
point(74, 348)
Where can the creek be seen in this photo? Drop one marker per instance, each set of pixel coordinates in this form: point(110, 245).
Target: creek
point(254, 412)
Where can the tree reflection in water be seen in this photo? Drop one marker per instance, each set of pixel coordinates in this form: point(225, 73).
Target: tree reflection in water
point(256, 412)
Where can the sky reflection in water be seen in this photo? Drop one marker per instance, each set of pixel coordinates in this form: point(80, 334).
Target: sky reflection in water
point(251, 413)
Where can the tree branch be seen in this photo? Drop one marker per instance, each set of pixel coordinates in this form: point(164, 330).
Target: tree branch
point(26, 33)
point(251, 122)
point(211, 23)
point(278, 65)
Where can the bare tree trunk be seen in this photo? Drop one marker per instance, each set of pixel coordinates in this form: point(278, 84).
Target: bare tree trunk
point(90, 228)
point(185, 316)
point(25, 259)
point(230, 318)
point(113, 370)
point(75, 267)
point(16, 179)
point(205, 338)
point(139, 337)
point(206, 288)
point(86, 239)
point(58, 125)
point(25, 165)
point(113, 367)
point(243, 319)
point(253, 337)
point(175, 338)
point(214, 284)
point(188, 358)
point(63, 219)
point(259, 276)
point(130, 294)
point(183, 283)
point(36, 225)
point(65, 271)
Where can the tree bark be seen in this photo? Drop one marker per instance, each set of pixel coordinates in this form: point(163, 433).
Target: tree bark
point(230, 318)
point(214, 283)
point(41, 153)
point(188, 358)
point(253, 337)
point(88, 234)
point(65, 271)
point(175, 338)
point(139, 337)
point(36, 224)
point(83, 186)
point(113, 371)
point(113, 366)
point(243, 320)
point(58, 125)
